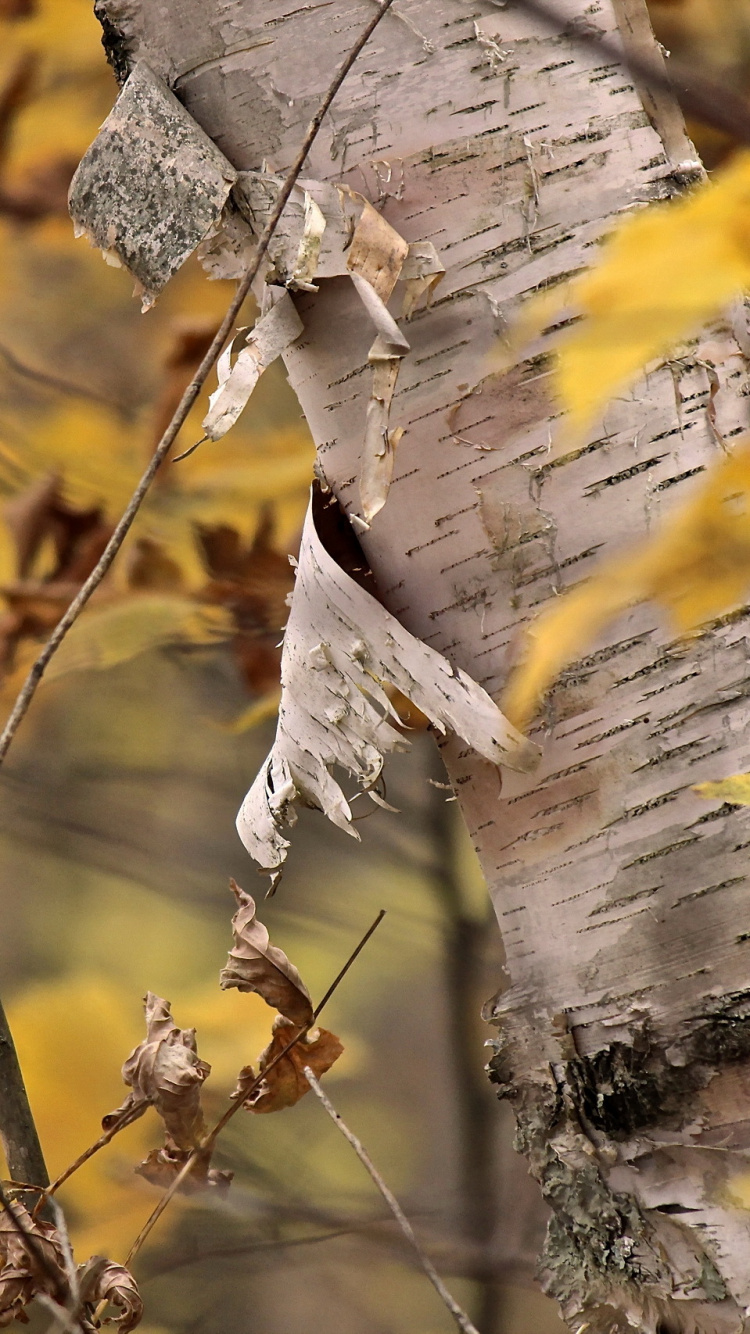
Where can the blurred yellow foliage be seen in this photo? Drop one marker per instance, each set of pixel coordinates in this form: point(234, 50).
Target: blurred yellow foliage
point(697, 566)
point(735, 789)
point(661, 275)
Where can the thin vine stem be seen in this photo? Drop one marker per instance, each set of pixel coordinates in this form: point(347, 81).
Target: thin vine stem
point(69, 618)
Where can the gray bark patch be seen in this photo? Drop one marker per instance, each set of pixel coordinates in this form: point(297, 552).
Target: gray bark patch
point(152, 184)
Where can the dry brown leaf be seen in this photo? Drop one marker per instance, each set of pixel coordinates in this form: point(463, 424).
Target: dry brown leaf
point(165, 1070)
point(161, 1166)
point(253, 584)
point(21, 1275)
point(103, 1280)
point(285, 1084)
point(254, 964)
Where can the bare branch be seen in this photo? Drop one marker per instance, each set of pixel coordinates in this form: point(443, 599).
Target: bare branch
point(17, 1129)
point(459, 1315)
point(28, 689)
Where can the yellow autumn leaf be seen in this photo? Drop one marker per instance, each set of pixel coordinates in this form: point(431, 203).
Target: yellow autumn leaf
point(110, 635)
point(661, 275)
point(735, 789)
point(697, 566)
point(738, 1189)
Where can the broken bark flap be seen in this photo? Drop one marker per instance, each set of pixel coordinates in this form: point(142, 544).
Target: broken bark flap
point(340, 648)
point(152, 184)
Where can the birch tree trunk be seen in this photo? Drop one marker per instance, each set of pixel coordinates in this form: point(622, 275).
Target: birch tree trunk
point(624, 1034)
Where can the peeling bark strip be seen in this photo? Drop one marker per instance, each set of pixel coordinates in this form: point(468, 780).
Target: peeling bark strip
point(625, 1036)
point(340, 648)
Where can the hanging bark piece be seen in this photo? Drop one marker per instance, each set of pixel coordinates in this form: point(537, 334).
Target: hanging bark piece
point(273, 333)
point(328, 232)
point(340, 647)
point(152, 184)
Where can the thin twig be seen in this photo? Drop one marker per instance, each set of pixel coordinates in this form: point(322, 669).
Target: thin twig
point(713, 103)
point(28, 689)
point(55, 382)
point(208, 1141)
point(459, 1315)
point(127, 1119)
point(18, 1131)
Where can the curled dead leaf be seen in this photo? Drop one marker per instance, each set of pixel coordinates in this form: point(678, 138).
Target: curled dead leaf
point(285, 1083)
point(22, 1274)
point(254, 964)
point(165, 1070)
point(103, 1280)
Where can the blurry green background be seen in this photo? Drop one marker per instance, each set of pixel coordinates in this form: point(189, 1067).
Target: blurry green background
point(117, 803)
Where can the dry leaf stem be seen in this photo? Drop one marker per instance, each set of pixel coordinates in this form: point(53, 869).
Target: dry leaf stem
point(459, 1315)
point(713, 103)
point(18, 1131)
point(28, 689)
point(236, 1105)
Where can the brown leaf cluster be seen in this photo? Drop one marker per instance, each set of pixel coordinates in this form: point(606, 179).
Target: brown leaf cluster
point(285, 1083)
point(166, 1072)
point(254, 964)
point(37, 519)
point(22, 1274)
point(253, 583)
point(35, 1263)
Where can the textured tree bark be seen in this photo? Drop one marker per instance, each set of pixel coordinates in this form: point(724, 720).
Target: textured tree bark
point(625, 1032)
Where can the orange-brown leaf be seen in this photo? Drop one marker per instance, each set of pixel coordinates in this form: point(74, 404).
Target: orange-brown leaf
point(285, 1083)
point(254, 964)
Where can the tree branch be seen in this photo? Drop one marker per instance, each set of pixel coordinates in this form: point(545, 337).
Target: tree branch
point(28, 689)
point(459, 1315)
point(17, 1129)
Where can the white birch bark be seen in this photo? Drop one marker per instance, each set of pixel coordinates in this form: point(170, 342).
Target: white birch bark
point(624, 1034)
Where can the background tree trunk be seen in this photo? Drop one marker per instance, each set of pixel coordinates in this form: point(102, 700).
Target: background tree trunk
point(626, 1027)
